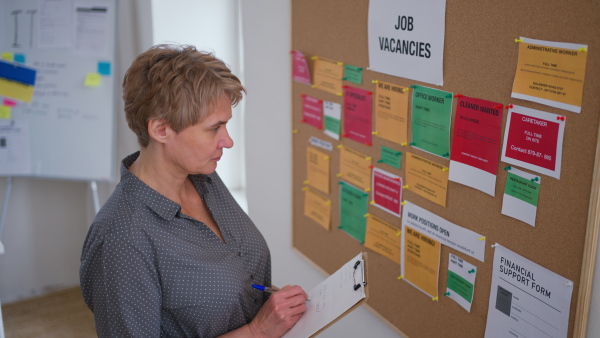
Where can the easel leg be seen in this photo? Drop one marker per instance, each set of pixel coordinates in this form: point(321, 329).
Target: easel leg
point(1, 323)
point(5, 210)
point(94, 188)
point(2, 218)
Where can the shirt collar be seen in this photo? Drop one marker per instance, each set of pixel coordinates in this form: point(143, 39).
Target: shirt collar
point(154, 200)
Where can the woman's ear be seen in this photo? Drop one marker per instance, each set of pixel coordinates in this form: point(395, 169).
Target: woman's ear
point(158, 130)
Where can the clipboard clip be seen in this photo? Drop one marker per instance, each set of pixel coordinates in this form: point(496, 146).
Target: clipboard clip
point(359, 284)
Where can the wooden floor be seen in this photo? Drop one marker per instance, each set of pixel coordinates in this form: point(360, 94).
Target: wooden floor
point(58, 314)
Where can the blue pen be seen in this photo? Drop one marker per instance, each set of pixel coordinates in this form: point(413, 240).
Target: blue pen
point(264, 288)
point(267, 289)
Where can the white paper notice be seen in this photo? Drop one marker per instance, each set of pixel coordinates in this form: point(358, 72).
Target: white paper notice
point(91, 29)
point(472, 177)
point(54, 24)
point(450, 234)
point(533, 139)
point(333, 115)
point(406, 38)
point(526, 299)
point(521, 196)
point(320, 143)
point(15, 149)
point(461, 281)
point(330, 299)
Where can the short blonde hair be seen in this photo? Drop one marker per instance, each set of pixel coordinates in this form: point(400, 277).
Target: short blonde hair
point(178, 84)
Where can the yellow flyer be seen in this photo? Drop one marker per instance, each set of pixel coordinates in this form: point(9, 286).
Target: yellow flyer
point(383, 238)
point(317, 208)
point(551, 73)
point(391, 112)
point(317, 169)
point(355, 168)
point(426, 178)
point(421, 261)
point(328, 75)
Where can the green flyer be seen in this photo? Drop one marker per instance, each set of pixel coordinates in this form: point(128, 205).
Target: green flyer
point(461, 281)
point(391, 157)
point(521, 194)
point(522, 188)
point(460, 285)
point(353, 208)
point(353, 74)
point(431, 117)
point(333, 113)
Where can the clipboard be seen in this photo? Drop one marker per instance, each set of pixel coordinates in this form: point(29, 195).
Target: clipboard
point(332, 299)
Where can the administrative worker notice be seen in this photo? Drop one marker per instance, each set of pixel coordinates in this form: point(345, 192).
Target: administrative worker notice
point(526, 299)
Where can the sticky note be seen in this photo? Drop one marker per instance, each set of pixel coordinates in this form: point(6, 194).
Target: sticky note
point(8, 56)
point(104, 68)
point(21, 74)
point(92, 80)
point(15, 90)
point(19, 58)
point(5, 112)
point(9, 102)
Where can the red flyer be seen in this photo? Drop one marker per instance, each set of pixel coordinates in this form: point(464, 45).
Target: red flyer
point(358, 117)
point(476, 143)
point(533, 139)
point(387, 191)
point(312, 111)
point(300, 72)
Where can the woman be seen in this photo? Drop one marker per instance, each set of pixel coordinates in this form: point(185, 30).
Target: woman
point(171, 254)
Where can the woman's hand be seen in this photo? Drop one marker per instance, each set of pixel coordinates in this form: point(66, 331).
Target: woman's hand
point(279, 313)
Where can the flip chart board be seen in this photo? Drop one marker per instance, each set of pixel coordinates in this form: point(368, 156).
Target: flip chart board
point(59, 119)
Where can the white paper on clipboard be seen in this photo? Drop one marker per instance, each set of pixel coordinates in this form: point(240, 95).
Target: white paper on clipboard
point(333, 298)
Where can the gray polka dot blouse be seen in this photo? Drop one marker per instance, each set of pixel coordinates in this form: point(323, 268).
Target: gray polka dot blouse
point(147, 270)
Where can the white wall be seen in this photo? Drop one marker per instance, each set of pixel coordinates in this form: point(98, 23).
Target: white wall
point(211, 26)
point(266, 33)
point(48, 220)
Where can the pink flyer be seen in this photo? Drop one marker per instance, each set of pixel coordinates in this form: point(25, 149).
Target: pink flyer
point(358, 117)
point(387, 191)
point(312, 111)
point(300, 72)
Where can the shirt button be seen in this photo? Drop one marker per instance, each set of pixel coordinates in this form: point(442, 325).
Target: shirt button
point(251, 276)
point(239, 253)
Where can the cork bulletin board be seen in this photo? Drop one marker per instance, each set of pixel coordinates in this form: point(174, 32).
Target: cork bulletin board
point(480, 57)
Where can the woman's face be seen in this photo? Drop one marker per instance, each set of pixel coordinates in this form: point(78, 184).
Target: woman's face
point(197, 148)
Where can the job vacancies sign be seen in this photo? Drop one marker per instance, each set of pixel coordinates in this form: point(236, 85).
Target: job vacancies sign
point(406, 38)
